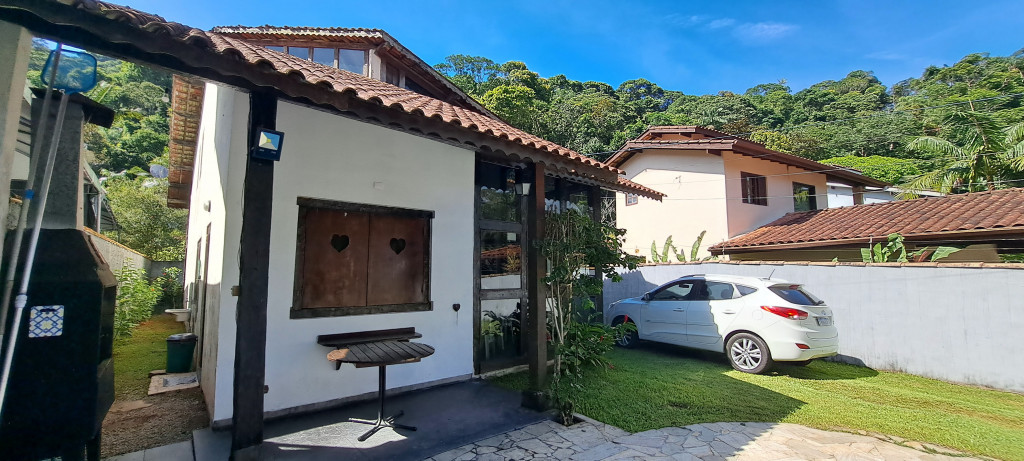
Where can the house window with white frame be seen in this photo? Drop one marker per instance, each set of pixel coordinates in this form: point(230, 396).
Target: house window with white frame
point(632, 199)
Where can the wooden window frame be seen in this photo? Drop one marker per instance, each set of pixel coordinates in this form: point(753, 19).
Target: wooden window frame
point(306, 203)
point(754, 188)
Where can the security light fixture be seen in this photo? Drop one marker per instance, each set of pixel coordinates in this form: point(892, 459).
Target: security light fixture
point(523, 188)
point(268, 144)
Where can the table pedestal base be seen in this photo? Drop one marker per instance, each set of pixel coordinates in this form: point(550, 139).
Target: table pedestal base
point(381, 421)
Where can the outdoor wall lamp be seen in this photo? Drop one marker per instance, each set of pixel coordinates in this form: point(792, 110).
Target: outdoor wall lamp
point(523, 188)
point(268, 144)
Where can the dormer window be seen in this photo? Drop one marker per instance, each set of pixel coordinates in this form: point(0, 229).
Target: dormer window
point(344, 59)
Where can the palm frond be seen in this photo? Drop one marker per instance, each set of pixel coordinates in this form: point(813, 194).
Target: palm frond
point(936, 146)
point(1015, 134)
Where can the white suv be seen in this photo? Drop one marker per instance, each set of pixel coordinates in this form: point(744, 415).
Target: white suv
point(755, 321)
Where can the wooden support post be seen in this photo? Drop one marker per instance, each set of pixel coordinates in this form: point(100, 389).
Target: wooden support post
point(594, 201)
point(536, 331)
point(858, 195)
point(253, 268)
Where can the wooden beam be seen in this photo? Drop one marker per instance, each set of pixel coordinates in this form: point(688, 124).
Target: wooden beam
point(536, 332)
point(253, 268)
point(858, 195)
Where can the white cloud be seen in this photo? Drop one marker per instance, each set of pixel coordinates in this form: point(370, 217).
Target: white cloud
point(763, 31)
point(721, 22)
point(683, 20)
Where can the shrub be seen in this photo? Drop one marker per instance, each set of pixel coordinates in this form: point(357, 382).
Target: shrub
point(572, 243)
point(171, 289)
point(136, 297)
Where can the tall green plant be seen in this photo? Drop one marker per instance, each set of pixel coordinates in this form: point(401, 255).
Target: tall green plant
point(574, 242)
point(136, 297)
point(894, 247)
point(670, 248)
point(975, 153)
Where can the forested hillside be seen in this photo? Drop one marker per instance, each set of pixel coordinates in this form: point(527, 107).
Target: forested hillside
point(857, 121)
point(123, 153)
point(955, 128)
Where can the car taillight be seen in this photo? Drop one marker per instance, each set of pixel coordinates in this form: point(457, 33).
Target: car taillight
point(787, 312)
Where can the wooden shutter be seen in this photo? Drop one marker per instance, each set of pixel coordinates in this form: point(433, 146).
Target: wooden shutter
point(334, 258)
point(397, 263)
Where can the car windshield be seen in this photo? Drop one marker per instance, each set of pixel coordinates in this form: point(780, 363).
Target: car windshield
point(796, 294)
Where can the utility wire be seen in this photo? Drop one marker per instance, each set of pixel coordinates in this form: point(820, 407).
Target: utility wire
point(810, 124)
point(815, 195)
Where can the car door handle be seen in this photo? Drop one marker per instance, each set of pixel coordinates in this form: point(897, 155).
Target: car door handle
point(728, 311)
point(679, 310)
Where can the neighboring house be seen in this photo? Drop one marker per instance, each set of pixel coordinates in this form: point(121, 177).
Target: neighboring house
point(387, 209)
point(718, 183)
point(984, 224)
point(841, 194)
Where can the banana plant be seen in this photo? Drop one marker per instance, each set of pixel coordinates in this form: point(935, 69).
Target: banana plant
point(894, 246)
point(669, 248)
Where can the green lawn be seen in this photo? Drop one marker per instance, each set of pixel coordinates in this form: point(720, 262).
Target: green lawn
point(144, 351)
point(660, 386)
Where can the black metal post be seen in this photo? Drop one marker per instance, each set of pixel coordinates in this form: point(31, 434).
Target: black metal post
point(381, 422)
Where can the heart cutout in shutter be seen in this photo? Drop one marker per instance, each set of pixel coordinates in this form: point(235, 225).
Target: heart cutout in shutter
point(339, 242)
point(397, 245)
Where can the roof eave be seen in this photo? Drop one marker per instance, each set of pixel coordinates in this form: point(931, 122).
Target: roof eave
point(979, 234)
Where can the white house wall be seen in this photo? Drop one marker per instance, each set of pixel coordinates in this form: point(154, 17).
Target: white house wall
point(336, 158)
point(695, 201)
point(878, 197)
point(214, 203)
point(840, 195)
point(745, 217)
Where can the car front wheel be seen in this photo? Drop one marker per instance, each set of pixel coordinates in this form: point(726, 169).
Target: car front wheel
point(628, 340)
point(748, 353)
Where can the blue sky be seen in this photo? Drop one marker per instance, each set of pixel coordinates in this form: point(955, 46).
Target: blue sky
point(693, 47)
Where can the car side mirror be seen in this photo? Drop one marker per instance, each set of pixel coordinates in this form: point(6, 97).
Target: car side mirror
point(646, 297)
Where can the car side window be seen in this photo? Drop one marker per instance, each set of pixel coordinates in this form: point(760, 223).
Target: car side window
point(719, 291)
point(675, 292)
point(699, 292)
point(745, 290)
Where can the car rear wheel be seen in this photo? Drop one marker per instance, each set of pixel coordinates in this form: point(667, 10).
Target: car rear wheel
point(748, 353)
point(630, 339)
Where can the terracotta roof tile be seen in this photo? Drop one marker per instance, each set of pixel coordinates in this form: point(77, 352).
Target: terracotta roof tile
point(925, 217)
point(342, 81)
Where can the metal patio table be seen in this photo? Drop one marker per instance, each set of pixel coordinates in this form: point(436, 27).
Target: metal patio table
point(380, 354)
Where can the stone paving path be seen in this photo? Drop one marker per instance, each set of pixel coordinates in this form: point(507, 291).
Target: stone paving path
point(592, 441)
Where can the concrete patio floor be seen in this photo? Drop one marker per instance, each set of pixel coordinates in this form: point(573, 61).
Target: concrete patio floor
point(446, 417)
point(477, 421)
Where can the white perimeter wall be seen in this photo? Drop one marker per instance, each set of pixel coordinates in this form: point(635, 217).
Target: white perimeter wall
point(336, 158)
point(695, 202)
point(952, 323)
